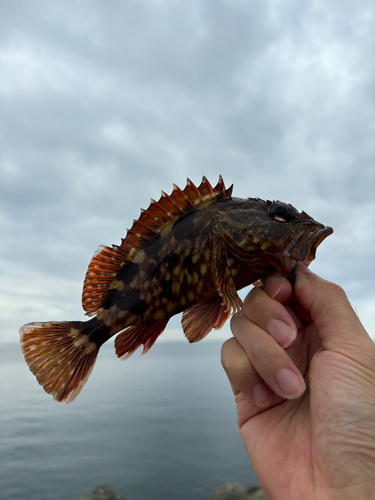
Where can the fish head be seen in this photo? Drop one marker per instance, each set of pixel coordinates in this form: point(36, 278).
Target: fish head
point(263, 234)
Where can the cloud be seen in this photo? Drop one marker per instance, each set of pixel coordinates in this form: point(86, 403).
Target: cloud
point(105, 104)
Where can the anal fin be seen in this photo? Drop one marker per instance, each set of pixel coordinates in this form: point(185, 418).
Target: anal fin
point(128, 341)
point(198, 320)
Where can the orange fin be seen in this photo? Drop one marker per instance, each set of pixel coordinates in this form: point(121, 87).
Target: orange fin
point(198, 320)
point(103, 269)
point(223, 278)
point(60, 356)
point(130, 339)
point(169, 208)
point(108, 262)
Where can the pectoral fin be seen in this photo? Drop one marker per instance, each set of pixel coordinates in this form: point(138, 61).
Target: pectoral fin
point(223, 278)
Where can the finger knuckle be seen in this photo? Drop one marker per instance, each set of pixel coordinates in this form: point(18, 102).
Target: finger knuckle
point(225, 352)
point(335, 290)
point(253, 299)
point(262, 349)
point(241, 367)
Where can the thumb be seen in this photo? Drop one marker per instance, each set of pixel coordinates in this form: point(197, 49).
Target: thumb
point(331, 312)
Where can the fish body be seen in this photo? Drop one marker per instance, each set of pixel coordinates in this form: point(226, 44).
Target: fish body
point(189, 252)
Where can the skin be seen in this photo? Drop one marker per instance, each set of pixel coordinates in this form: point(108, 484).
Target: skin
point(302, 369)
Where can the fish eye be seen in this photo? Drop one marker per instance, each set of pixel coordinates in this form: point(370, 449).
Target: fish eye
point(281, 212)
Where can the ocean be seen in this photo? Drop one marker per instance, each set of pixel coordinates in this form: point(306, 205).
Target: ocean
point(159, 426)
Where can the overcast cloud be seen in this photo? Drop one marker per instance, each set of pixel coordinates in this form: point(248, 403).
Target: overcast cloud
point(106, 103)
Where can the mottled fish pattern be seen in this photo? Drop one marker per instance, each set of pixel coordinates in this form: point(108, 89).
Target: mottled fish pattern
point(188, 252)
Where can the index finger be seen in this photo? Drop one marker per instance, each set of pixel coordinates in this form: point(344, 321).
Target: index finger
point(277, 287)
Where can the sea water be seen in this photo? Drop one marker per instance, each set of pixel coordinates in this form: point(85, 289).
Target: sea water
point(159, 426)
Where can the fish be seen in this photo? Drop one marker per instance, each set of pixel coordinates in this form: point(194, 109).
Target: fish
point(189, 252)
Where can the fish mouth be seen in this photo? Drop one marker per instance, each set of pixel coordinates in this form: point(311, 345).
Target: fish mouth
point(300, 250)
point(308, 249)
point(304, 249)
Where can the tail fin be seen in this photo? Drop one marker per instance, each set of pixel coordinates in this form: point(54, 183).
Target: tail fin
point(60, 355)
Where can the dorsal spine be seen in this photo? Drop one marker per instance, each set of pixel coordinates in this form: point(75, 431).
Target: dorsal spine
point(107, 262)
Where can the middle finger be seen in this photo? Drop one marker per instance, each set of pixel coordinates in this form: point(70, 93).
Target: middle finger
point(268, 358)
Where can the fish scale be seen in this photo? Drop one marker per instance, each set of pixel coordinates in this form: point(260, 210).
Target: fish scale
point(189, 252)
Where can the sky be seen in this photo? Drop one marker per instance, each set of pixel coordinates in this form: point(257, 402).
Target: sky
point(105, 104)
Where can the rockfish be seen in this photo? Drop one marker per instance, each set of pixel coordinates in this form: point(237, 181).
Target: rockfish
point(188, 252)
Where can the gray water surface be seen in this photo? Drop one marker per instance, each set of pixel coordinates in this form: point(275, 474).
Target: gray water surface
point(161, 426)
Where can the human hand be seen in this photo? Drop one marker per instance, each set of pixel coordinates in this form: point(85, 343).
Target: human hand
point(307, 443)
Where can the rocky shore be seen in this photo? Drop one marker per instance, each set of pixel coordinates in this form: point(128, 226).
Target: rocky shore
point(228, 491)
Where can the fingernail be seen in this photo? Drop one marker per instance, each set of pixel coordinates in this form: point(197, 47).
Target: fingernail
point(290, 383)
point(273, 286)
point(261, 395)
point(281, 332)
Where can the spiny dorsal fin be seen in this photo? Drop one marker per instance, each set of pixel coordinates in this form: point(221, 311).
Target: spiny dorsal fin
point(107, 261)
